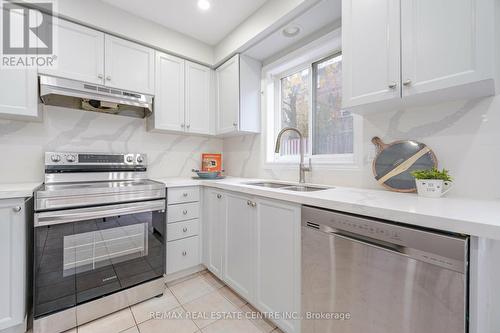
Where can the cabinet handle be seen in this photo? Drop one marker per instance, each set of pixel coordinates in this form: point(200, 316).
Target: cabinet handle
point(184, 229)
point(254, 204)
point(108, 78)
point(188, 125)
point(182, 125)
point(407, 83)
point(184, 253)
point(184, 212)
point(219, 196)
point(184, 195)
point(392, 85)
point(100, 76)
point(17, 209)
point(235, 124)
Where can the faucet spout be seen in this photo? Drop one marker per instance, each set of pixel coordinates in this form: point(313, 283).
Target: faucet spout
point(302, 168)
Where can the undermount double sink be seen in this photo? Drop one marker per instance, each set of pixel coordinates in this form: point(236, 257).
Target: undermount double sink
point(289, 187)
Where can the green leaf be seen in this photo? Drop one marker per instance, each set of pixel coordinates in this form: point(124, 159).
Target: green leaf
point(432, 174)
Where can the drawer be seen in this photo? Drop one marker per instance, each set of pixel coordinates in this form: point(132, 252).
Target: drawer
point(183, 194)
point(182, 254)
point(182, 229)
point(183, 212)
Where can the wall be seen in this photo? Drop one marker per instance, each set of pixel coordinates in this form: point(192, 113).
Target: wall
point(22, 144)
point(103, 16)
point(464, 135)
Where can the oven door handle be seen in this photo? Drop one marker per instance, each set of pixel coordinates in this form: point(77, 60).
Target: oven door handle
point(88, 213)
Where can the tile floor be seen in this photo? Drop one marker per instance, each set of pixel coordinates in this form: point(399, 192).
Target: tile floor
point(187, 306)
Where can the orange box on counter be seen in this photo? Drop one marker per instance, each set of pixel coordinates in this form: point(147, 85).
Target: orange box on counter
point(211, 162)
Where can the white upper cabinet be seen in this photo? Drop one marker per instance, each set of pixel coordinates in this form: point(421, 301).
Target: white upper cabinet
point(228, 96)
point(19, 94)
point(413, 52)
point(238, 96)
point(129, 66)
point(239, 245)
point(19, 90)
point(198, 79)
point(182, 96)
point(79, 51)
point(445, 43)
point(370, 51)
point(169, 93)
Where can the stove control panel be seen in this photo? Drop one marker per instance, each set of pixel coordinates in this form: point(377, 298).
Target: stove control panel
point(86, 159)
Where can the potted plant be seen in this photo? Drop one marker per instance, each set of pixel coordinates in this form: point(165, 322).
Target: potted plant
point(432, 183)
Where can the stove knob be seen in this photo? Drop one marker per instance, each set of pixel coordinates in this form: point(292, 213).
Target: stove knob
point(55, 158)
point(130, 159)
point(70, 158)
point(140, 159)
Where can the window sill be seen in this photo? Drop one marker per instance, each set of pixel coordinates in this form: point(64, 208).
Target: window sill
point(316, 165)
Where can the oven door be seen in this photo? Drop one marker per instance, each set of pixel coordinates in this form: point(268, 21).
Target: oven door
point(87, 253)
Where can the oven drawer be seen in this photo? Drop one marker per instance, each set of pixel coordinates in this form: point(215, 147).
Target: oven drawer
point(183, 194)
point(182, 254)
point(183, 212)
point(182, 229)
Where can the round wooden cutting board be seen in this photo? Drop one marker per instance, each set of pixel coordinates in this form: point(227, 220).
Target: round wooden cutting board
point(394, 163)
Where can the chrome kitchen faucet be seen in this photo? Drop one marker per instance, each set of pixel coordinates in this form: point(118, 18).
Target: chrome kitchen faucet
point(302, 167)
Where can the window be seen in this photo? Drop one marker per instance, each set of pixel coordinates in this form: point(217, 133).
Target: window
point(310, 99)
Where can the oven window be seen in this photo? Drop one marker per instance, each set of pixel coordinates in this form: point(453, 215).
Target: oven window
point(81, 261)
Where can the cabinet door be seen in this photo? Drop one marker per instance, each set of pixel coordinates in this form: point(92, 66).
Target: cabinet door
point(239, 272)
point(18, 93)
point(169, 96)
point(13, 262)
point(445, 43)
point(79, 51)
point(197, 98)
point(278, 260)
point(370, 51)
point(129, 66)
point(214, 220)
point(228, 96)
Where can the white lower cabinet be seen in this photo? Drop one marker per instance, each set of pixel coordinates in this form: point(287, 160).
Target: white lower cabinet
point(182, 254)
point(214, 219)
point(239, 245)
point(183, 229)
point(278, 271)
point(260, 259)
point(13, 280)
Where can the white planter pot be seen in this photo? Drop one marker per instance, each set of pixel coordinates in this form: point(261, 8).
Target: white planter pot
point(432, 188)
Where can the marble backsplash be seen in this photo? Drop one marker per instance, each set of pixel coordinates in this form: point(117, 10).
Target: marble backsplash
point(465, 135)
point(22, 144)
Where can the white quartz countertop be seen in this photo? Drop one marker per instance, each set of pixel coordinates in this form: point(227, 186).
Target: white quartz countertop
point(20, 190)
point(466, 216)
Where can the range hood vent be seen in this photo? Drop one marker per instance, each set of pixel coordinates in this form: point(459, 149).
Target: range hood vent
point(90, 97)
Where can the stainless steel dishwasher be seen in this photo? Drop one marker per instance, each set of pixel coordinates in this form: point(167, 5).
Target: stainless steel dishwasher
point(366, 275)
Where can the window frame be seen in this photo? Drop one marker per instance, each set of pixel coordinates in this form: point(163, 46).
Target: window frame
point(345, 160)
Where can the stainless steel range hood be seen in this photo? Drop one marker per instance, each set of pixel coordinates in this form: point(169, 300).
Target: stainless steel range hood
point(91, 97)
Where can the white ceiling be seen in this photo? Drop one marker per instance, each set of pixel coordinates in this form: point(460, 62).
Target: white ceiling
point(209, 26)
point(322, 15)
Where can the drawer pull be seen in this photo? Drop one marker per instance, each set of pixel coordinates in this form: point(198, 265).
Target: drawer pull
point(185, 229)
point(17, 209)
point(184, 194)
point(184, 212)
point(219, 196)
point(184, 253)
